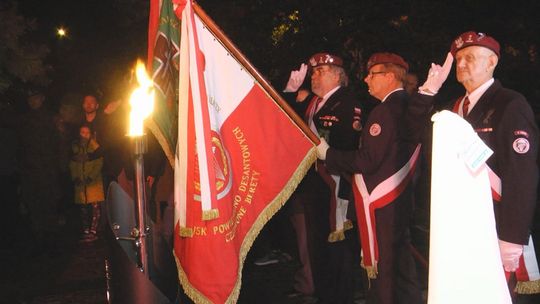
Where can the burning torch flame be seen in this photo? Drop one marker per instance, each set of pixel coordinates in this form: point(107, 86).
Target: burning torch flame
point(141, 101)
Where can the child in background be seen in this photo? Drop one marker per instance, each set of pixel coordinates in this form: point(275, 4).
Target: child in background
point(86, 176)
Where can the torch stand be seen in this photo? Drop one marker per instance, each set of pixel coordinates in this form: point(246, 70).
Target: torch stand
point(140, 147)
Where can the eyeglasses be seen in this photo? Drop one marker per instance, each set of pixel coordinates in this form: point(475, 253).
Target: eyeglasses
point(371, 74)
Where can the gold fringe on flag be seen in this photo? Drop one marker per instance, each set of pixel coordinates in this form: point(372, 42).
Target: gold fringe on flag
point(528, 287)
point(211, 214)
point(256, 228)
point(186, 232)
point(189, 289)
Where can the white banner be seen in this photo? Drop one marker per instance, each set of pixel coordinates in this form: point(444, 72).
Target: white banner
point(464, 260)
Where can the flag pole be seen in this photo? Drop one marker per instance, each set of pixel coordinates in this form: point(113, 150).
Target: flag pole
point(251, 69)
point(140, 148)
point(142, 105)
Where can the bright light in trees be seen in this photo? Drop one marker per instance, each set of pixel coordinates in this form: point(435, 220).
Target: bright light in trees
point(61, 32)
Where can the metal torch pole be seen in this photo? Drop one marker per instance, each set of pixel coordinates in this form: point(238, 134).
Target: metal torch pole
point(140, 148)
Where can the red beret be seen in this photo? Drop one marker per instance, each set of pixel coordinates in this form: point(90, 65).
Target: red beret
point(324, 58)
point(472, 38)
point(381, 58)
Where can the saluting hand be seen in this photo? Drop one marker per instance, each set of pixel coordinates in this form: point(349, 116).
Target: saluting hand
point(437, 76)
point(296, 79)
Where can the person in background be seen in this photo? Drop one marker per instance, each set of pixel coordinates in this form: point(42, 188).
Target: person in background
point(87, 179)
point(108, 133)
point(93, 118)
point(40, 172)
point(385, 149)
point(411, 83)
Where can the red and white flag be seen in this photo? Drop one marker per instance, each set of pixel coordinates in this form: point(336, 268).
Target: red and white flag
point(239, 157)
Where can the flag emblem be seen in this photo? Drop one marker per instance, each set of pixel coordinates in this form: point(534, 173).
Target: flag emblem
point(222, 169)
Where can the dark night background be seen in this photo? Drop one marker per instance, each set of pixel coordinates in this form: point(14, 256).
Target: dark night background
point(106, 36)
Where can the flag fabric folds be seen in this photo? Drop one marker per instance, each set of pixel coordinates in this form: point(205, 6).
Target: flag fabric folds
point(239, 156)
point(163, 63)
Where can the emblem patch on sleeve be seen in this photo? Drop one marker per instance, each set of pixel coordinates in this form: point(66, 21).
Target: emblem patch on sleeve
point(521, 145)
point(375, 129)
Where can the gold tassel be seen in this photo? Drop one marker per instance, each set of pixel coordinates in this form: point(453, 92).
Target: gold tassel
point(336, 236)
point(370, 270)
point(339, 235)
point(347, 225)
point(211, 214)
point(527, 287)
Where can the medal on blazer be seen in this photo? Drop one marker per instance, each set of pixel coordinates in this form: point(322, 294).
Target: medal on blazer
point(328, 120)
point(356, 125)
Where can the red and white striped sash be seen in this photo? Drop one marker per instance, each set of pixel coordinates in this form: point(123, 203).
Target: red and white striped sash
point(338, 207)
point(528, 273)
point(366, 203)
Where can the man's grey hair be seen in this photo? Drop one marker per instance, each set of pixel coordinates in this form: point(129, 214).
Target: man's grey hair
point(343, 78)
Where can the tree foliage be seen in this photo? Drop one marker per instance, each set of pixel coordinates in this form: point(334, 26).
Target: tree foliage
point(21, 60)
point(420, 30)
point(277, 35)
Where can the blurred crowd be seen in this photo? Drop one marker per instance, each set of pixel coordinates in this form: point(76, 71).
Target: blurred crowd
point(56, 165)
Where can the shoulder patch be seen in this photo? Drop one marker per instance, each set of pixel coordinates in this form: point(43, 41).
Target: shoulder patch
point(521, 145)
point(375, 129)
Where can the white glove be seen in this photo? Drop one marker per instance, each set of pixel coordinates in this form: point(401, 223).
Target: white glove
point(437, 75)
point(296, 79)
point(510, 254)
point(322, 147)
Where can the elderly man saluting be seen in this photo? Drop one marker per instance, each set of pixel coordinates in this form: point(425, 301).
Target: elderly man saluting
point(334, 114)
point(504, 120)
